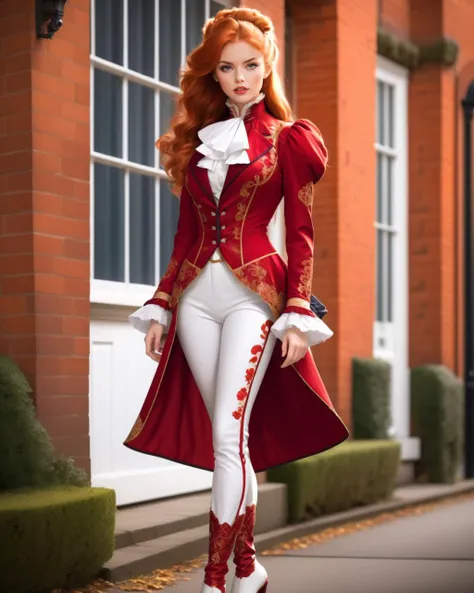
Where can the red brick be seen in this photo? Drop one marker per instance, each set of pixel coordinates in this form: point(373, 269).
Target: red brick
point(19, 324)
point(17, 203)
point(77, 249)
point(17, 43)
point(57, 225)
point(62, 405)
point(71, 267)
point(75, 168)
point(19, 62)
point(45, 244)
point(49, 325)
point(81, 346)
point(15, 104)
point(13, 304)
point(17, 284)
point(66, 426)
point(10, 265)
point(77, 326)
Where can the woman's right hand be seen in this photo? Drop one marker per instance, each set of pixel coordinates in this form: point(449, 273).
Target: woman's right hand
point(153, 340)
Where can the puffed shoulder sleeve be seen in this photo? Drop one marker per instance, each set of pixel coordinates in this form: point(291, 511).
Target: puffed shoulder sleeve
point(302, 157)
point(183, 241)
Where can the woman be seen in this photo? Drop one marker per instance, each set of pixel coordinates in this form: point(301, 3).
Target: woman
point(233, 152)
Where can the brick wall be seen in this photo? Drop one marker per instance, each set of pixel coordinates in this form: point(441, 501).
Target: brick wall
point(44, 215)
point(436, 173)
point(334, 40)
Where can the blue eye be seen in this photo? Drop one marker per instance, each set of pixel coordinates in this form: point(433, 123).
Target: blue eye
point(252, 64)
point(223, 68)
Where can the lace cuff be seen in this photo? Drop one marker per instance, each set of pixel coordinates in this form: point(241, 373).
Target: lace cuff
point(141, 318)
point(315, 328)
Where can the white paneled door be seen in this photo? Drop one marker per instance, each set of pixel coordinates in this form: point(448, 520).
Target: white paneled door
point(120, 375)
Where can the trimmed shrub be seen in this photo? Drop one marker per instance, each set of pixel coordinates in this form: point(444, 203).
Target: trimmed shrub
point(352, 474)
point(437, 419)
point(27, 456)
point(54, 537)
point(371, 415)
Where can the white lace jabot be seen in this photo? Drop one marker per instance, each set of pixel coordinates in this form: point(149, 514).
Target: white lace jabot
point(226, 142)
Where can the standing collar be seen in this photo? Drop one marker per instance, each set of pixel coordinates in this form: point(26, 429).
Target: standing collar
point(250, 110)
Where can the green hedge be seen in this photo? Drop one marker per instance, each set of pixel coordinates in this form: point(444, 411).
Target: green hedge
point(370, 398)
point(27, 455)
point(437, 419)
point(352, 474)
point(54, 537)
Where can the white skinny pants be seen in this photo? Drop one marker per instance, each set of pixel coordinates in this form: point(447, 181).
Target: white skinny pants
point(222, 327)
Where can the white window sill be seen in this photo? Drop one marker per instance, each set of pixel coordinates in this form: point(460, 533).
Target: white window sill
point(117, 293)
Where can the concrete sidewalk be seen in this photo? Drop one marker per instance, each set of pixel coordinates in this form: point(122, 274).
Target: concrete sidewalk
point(429, 553)
point(394, 546)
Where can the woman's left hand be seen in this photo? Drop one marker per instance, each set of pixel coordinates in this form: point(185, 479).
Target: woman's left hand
point(294, 346)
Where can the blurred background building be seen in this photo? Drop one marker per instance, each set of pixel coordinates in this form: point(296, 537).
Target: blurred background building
point(87, 220)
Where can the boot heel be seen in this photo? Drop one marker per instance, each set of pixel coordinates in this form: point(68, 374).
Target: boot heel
point(264, 588)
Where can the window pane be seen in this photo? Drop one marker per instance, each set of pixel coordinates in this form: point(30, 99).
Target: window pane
point(170, 41)
point(141, 124)
point(169, 212)
point(142, 229)
point(389, 190)
point(379, 281)
point(215, 7)
point(379, 187)
point(195, 16)
point(109, 30)
point(107, 113)
point(167, 109)
point(390, 271)
point(381, 113)
point(141, 23)
point(391, 116)
point(109, 215)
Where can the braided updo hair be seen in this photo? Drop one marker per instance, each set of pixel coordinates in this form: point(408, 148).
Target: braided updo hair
point(202, 100)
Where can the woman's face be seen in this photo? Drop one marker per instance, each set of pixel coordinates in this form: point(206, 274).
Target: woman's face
point(241, 71)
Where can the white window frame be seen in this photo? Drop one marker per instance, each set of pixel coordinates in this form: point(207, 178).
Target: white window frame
point(395, 333)
point(127, 293)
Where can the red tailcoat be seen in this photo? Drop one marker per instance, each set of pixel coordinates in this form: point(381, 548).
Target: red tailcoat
point(292, 416)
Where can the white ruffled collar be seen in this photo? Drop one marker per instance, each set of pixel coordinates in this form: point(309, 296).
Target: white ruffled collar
point(226, 141)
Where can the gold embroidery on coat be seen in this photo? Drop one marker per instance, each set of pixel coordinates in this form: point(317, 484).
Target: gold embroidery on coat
point(169, 272)
point(253, 275)
point(136, 430)
point(304, 286)
point(240, 211)
point(297, 302)
point(306, 194)
point(187, 273)
point(268, 167)
point(159, 294)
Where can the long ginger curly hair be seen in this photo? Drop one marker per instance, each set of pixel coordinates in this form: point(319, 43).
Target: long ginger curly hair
point(202, 100)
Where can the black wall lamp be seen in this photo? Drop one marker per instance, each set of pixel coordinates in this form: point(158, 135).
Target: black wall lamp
point(49, 17)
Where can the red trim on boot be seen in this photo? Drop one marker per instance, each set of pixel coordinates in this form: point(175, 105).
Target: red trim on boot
point(244, 552)
point(221, 542)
